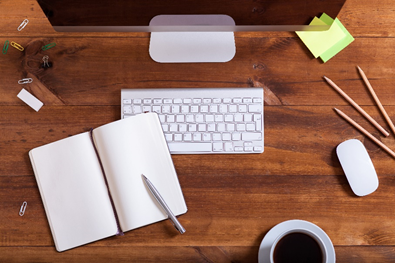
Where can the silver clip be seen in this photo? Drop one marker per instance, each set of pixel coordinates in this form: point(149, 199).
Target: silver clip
point(45, 59)
point(23, 24)
point(23, 208)
point(25, 81)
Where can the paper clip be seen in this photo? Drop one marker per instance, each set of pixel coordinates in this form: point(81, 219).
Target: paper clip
point(5, 47)
point(25, 81)
point(23, 24)
point(45, 59)
point(23, 208)
point(17, 46)
point(46, 47)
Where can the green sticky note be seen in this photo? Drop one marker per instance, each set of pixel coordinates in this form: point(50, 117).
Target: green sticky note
point(318, 42)
point(339, 46)
point(326, 19)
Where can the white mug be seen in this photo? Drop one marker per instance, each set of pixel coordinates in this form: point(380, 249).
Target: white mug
point(324, 250)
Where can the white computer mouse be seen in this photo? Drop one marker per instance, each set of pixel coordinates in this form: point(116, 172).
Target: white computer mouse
point(358, 167)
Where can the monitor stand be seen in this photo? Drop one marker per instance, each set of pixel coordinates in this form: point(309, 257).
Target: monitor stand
point(192, 47)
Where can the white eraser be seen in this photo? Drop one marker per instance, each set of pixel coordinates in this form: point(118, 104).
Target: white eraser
point(30, 100)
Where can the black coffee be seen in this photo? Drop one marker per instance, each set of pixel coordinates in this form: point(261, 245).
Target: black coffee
point(297, 248)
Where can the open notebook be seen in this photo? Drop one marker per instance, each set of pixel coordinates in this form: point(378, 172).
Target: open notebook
point(73, 188)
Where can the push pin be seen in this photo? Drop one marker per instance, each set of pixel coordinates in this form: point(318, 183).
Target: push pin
point(46, 64)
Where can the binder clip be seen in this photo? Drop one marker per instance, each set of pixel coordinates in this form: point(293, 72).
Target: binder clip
point(46, 64)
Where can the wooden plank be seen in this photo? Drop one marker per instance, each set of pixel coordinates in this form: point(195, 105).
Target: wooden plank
point(309, 151)
point(195, 254)
point(228, 210)
point(92, 71)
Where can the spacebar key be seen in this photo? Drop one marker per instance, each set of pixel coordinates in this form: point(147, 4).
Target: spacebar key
point(190, 147)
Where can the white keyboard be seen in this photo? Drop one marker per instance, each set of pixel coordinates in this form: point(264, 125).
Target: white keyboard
point(203, 120)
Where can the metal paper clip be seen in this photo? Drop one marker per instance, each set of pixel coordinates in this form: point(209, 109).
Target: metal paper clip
point(45, 59)
point(17, 46)
point(5, 47)
point(23, 24)
point(50, 45)
point(23, 208)
point(25, 81)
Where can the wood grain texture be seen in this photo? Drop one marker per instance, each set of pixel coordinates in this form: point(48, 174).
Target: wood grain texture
point(233, 200)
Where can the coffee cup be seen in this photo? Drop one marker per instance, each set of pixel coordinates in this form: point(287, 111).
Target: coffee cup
point(298, 245)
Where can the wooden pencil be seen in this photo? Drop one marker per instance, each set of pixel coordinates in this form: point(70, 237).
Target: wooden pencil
point(376, 99)
point(357, 107)
point(365, 132)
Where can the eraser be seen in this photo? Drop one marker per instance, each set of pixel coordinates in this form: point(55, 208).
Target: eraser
point(30, 100)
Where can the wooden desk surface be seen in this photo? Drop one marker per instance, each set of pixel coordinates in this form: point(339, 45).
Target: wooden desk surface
point(233, 200)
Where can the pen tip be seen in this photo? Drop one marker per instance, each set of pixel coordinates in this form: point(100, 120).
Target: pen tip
point(142, 175)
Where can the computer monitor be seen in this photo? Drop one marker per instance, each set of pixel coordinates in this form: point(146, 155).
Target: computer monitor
point(188, 30)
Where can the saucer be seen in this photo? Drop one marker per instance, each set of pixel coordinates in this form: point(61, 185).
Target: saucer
point(264, 249)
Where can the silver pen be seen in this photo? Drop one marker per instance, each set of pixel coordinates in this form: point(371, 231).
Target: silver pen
point(163, 204)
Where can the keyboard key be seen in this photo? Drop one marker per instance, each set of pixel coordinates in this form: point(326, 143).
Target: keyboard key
point(127, 101)
point(218, 147)
point(250, 127)
point(170, 118)
point(228, 118)
point(219, 118)
point(182, 127)
point(242, 108)
point(175, 108)
point(226, 136)
point(197, 137)
point(167, 101)
point(199, 118)
point(185, 109)
point(202, 127)
point(127, 109)
point(251, 136)
point(206, 137)
point(180, 118)
point(194, 108)
point(228, 147)
point(254, 108)
point(232, 108)
point(209, 118)
point(217, 137)
point(169, 137)
point(192, 127)
point(173, 127)
point(191, 146)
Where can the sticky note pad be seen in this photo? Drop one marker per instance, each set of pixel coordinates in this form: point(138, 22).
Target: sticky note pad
point(326, 45)
point(339, 46)
point(320, 41)
point(30, 100)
